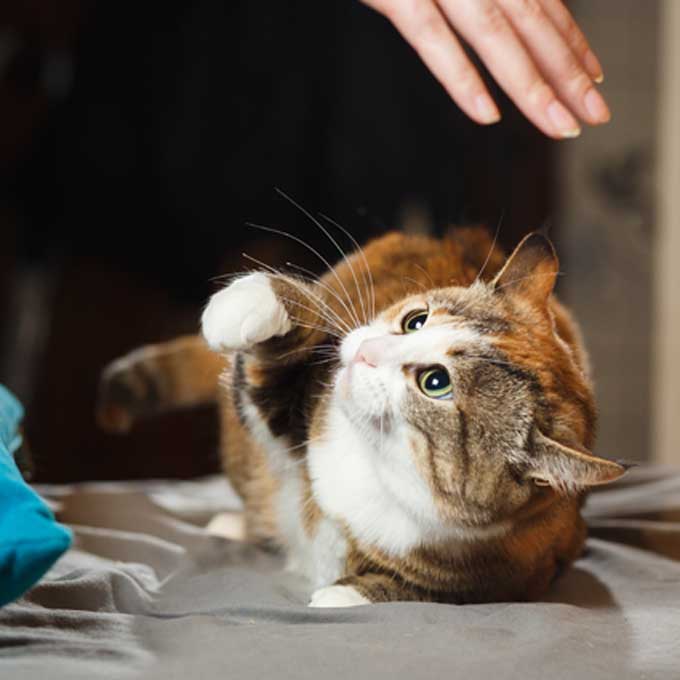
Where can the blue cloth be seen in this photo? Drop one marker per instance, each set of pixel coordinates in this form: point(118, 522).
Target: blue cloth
point(30, 538)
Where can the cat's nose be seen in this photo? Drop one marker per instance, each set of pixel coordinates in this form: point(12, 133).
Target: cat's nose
point(370, 352)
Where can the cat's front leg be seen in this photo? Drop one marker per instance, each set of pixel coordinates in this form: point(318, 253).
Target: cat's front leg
point(268, 314)
point(368, 588)
point(245, 313)
point(338, 596)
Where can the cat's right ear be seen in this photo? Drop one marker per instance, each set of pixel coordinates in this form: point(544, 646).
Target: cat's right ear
point(568, 469)
point(531, 270)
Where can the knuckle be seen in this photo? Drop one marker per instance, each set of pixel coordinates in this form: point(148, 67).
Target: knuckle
point(578, 82)
point(465, 80)
point(526, 10)
point(428, 24)
point(575, 38)
point(492, 21)
point(539, 93)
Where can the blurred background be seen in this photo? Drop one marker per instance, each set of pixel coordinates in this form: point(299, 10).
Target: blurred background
point(136, 142)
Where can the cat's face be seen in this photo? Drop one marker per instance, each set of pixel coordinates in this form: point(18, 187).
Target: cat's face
point(472, 390)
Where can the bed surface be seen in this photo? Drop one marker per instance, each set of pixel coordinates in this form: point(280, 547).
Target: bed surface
point(147, 592)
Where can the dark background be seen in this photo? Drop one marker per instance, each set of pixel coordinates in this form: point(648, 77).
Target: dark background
point(137, 140)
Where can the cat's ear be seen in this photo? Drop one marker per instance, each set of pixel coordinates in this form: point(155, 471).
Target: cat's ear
point(531, 270)
point(567, 469)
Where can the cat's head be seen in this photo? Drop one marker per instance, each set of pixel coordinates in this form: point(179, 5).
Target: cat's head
point(482, 388)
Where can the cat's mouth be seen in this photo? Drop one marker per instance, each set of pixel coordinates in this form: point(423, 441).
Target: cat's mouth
point(364, 398)
point(376, 428)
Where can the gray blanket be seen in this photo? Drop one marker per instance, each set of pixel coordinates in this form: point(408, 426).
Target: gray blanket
point(148, 592)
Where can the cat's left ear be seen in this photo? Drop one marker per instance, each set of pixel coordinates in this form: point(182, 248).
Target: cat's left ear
point(531, 270)
point(567, 469)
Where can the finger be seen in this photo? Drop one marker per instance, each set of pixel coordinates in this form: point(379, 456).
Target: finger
point(555, 59)
point(486, 28)
point(422, 25)
point(564, 21)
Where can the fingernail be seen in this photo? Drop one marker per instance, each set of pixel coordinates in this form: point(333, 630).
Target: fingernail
point(486, 108)
point(562, 120)
point(593, 66)
point(596, 106)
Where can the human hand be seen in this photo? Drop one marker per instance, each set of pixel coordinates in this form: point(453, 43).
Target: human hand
point(533, 48)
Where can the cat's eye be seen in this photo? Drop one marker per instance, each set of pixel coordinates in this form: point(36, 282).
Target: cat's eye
point(414, 321)
point(435, 383)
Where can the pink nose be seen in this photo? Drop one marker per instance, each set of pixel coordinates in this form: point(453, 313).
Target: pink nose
point(370, 352)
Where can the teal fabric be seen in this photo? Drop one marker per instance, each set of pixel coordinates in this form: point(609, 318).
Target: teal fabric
point(30, 538)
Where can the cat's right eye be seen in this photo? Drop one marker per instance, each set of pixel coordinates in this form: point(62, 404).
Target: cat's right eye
point(435, 383)
point(414, 321)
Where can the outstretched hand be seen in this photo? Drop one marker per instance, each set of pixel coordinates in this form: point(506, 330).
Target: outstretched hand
point(533, 48)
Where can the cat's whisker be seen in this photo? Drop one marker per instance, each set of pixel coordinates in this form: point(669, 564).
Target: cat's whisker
point(491, 249)
point(422, 269)
point(327, 355)
point(318, 312)
point(328, 328)
point(488, 360)
point(307, 442)
point(276, 272)
point(327, 385)
point(320, 349)
point(333, 241)
point(313, 250)
point(339, 321)
point(360, 250)
point(317, 282)
point(418, 283)
point(307, 503)
point(321, 329)
point(528, 277)
point(223, 278)
point(366, 274)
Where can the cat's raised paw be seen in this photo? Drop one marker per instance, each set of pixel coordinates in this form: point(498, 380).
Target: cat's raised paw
point(243, 314)
point(338, 596)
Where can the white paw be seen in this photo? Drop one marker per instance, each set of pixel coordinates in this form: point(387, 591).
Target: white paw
point(338, 596)
point(229, 525)
point(244, 313)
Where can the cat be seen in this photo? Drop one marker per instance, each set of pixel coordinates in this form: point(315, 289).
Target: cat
point(414, 425)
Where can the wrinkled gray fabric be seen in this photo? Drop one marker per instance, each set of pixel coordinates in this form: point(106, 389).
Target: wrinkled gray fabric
point(146, 592)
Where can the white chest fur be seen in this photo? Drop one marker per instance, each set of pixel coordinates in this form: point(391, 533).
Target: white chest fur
point(379, 494)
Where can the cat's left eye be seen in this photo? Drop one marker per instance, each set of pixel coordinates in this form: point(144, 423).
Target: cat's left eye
point(414, 321)
point(435, 383)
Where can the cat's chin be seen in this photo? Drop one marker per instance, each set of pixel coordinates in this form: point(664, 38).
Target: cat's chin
point(373, 428)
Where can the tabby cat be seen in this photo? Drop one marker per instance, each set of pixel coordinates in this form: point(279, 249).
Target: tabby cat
point(414, 425)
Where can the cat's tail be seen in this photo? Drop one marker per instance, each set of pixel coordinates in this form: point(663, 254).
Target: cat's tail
point(156, 378)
